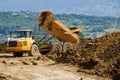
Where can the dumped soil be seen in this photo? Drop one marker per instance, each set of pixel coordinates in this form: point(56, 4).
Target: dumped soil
point(100, 56)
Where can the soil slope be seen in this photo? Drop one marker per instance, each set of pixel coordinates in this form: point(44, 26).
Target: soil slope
point(100, 56)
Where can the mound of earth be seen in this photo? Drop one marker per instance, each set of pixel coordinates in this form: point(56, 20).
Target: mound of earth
point(100, 56)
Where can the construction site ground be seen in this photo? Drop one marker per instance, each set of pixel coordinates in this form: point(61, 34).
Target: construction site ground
point(39, 68)
point(97, 59)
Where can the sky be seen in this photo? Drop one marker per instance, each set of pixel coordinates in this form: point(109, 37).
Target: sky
point(88, 7)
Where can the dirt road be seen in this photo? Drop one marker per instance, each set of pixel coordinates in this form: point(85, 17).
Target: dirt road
point(39, 68)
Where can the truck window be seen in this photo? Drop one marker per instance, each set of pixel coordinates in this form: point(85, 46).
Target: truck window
point(21, 34)
point(28, 34)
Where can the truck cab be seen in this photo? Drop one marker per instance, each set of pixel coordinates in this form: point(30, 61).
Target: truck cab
point(22, 42)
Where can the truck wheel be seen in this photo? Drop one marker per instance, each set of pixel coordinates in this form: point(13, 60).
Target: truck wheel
point(17, 54)
point(57, 48)
point(67, 46)
point(20, 54)
point(34, 51)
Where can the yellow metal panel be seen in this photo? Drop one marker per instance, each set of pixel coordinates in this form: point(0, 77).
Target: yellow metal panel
point(22, 45)
point(18, 49)
point(56, 28)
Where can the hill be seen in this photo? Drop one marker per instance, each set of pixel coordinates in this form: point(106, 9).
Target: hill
point(92, 26)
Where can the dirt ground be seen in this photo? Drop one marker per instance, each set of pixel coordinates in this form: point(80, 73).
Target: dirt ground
point(39, 68)
point(97, 59)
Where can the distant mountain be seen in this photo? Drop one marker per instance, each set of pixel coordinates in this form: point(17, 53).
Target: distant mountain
point(87, 7)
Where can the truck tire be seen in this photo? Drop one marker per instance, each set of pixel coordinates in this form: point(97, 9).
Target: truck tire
point(57, 48)
point(67, 46)
point(34, 51)
point(20, 54)
point(17, 54)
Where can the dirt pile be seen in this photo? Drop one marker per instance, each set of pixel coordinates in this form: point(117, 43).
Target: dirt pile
point(100, 56)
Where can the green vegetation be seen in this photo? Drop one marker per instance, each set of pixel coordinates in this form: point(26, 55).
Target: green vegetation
point(91, 24)
point(10, 21)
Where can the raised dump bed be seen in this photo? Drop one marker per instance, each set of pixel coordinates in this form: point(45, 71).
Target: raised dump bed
point(57, 29)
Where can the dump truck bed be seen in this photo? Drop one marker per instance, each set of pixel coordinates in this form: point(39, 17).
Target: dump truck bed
point(56, 28)
point(61, 32)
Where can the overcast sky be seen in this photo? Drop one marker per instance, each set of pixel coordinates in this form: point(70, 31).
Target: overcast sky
point(89, 7)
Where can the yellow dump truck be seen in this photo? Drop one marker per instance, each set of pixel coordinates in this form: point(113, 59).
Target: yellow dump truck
point(67, 36)
point(22, 42)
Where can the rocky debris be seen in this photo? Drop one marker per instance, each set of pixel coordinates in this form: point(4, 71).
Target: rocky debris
point(4, 62)
point(42, 57)
point(12, 61)
point(26, 63)
point(34, 63)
